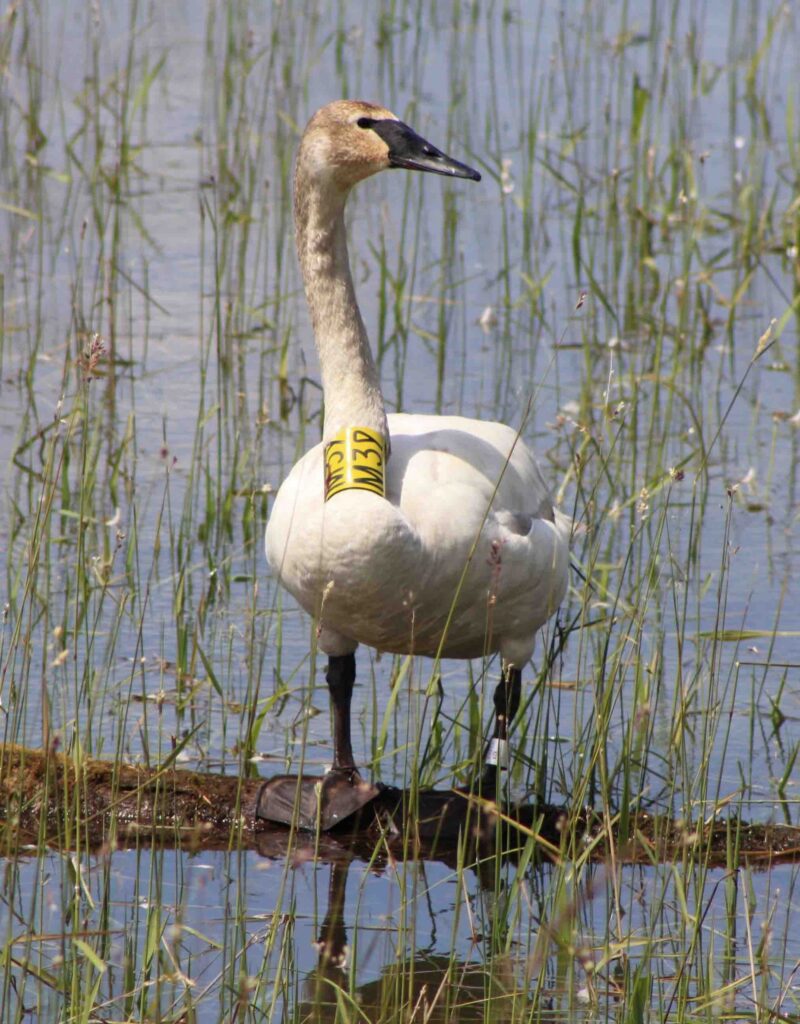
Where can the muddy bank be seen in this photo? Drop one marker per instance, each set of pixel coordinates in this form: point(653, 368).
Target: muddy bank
point(93, 802)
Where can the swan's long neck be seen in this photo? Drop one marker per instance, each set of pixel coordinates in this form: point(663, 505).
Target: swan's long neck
point(350, 380)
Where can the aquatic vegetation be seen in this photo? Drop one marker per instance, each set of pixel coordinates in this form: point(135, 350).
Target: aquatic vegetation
point(634, 250)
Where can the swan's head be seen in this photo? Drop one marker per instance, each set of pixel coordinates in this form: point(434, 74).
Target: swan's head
point(348, 140)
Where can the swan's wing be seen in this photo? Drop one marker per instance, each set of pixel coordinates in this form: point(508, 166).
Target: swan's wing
point(490, 458)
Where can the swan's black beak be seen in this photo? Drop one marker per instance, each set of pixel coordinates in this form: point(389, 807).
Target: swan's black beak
point(411, 151)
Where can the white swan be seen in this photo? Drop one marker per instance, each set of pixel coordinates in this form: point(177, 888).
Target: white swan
point(464, 555)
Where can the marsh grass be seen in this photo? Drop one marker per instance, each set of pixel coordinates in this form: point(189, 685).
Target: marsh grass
point(636, 235)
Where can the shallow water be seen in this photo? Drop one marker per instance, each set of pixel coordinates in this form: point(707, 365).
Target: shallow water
point(290, 934)
point(200, 418)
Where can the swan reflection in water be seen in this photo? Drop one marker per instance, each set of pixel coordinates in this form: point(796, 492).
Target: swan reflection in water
point(483, 983)
point(428, 986)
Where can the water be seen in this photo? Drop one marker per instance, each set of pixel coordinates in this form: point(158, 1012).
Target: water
point(399, 934)
point(199, 417)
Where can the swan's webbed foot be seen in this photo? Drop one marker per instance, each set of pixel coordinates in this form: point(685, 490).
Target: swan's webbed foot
point(311, 802)
point(342, 793)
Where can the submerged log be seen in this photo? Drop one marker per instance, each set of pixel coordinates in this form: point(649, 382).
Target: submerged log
point(46, 795)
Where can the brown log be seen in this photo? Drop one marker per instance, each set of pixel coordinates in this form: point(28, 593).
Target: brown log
point(49, 792)
point(51, 796)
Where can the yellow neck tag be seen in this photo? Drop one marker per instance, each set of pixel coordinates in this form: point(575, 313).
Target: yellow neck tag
point(355, 460)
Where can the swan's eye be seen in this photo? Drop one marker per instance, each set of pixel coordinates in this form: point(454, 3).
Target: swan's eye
point(365, 122)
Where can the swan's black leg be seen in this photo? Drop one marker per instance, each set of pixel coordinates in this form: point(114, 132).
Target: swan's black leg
point(332, 941)
point(340, 676)
point(506, 704)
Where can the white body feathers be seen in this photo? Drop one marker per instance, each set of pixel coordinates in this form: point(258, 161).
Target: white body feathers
point(461, 494)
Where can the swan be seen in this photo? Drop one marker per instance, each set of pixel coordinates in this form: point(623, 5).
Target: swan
point(412, 534)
